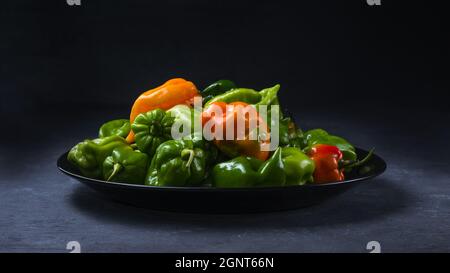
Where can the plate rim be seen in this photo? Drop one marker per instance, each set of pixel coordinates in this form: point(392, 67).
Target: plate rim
point(63, 157)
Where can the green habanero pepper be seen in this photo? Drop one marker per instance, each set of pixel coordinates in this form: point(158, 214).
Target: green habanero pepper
point(151, 129)
point(298, 167)
point(217, 88)
point(89, 155)
point(267, 96)
point(184, 118)
point(178, 163)
point(236, 173)
point(249, 172)
point(272, 170)
point(320, 136)
point(118, 127)
point(246, 95)
point(125, 165)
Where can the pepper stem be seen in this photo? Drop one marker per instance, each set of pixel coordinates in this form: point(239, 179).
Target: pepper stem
point(116, 169)
point(189, 152)
point(358, 163)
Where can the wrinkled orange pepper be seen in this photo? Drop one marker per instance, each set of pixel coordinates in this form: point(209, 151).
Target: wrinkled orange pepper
point(173, 92)
point(236, 147)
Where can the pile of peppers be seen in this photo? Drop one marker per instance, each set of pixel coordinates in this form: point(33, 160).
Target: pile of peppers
point(142, 150)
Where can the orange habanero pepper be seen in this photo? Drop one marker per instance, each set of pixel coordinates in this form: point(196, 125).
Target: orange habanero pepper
point(173, 92)
point(236, 147)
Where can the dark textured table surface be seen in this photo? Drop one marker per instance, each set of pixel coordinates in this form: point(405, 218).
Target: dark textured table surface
point(358, 58)
point(406, 209)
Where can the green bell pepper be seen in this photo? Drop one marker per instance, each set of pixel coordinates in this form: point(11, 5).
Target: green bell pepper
point(125, 165)
point(320, 136)
point(89, 155)
point(151, 129)
point(118, 127)
point(179, 163)
point(249, 172)
point(217, 88)
point(298, 167)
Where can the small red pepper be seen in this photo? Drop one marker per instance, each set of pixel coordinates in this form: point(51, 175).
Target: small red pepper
point(326, 159)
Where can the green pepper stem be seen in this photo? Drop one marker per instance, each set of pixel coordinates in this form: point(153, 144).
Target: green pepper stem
point(184, 152)
point(116, 169)
point(358, 163)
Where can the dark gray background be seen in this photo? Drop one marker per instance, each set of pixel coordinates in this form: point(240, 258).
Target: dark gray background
point(376, 75)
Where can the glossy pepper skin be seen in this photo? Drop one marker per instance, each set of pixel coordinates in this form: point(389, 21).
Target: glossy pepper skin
point(217, 88)
point(298, 167)
point(118, 127)
point(89, 155)
point(269, 96)
point(125, 165)
point(246, 95)
point(235, 147)
point(173, 92)
point(266, 96)
point(179, 163)
point(151, 129)
point(184, 118)
point(320, 136)
point(326, 159)
point(249, 172)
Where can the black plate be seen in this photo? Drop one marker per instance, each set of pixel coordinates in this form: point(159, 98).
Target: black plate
point(220, 200)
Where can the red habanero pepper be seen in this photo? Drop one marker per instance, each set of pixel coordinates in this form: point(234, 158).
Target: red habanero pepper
point(326, 159)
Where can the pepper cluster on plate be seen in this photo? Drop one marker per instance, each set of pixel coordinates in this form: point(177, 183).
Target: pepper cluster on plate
point(142, 149)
